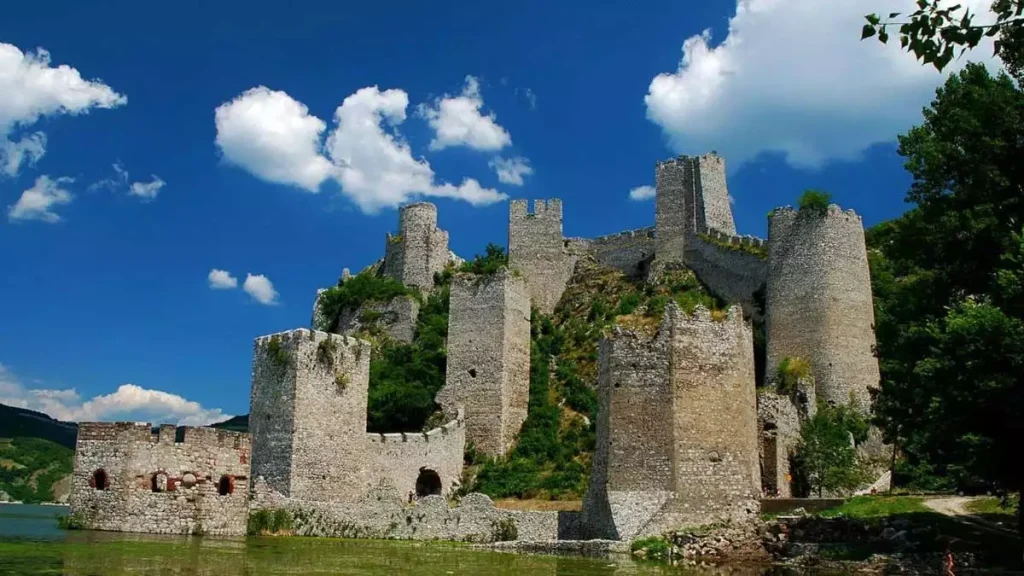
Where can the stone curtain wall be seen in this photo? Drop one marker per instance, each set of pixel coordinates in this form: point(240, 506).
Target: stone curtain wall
point(385, 513)
point(819, 304)
point(488, 374)
point(537, 250)
point(157, 485)
point(400, 457)
point(733, 275)
point(629, 252)
point(308, 414)
point(677, 437)
point(419, 250)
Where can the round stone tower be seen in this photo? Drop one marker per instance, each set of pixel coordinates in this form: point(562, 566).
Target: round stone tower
point(419, 218)
point(818, 301)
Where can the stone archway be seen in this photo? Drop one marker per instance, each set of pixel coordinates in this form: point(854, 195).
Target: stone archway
point(428, 483)
point(99, 480)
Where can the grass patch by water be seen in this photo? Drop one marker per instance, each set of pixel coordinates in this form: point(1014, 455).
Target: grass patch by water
point(877, 507)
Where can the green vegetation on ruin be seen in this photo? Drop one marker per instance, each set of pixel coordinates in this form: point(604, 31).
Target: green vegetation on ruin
point(816, 201)
point(30, 468)
point(651, 548)
point(493, 259)
point(269, 523)
point(351, 293)
point(278, 354)
point(789, 374)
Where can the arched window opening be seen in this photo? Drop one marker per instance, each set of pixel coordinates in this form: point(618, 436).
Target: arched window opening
point(158, 482)
point(226, 485)
point(428, 483)
point(99, 480)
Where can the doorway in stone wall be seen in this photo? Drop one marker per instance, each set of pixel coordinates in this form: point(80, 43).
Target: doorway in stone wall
point(427, 483)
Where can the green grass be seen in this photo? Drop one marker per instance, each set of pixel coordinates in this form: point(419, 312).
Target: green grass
point(994, 506)
point(877, 507)
point(654, 547)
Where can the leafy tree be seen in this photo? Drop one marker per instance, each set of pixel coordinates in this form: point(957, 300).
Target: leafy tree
point(937, 32)
point(493, 258)
point(948, 279)
point(814, 201)
point(826, 456)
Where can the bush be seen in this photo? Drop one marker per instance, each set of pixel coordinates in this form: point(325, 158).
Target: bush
point(504, 529)
point(652, 547)
point(814, 201)
point(789, 373)
point(826, 459)
point(73, 521)
point(264, 522)
point(493, 259)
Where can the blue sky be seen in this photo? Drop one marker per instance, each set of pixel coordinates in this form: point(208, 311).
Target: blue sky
point(143, 148)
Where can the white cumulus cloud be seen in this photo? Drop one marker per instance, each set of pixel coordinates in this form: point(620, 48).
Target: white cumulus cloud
point(793, 76)
point(273, 136)
point(143, 190)
point(458, 121)
point(38, 202)
point(511, 170)
point(147, 190)
point(221, 280)
point(30, 88)
point(129, 402)
point(641, 193)
point(260, 288)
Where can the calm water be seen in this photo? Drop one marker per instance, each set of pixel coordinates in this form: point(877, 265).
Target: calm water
point(31, 543)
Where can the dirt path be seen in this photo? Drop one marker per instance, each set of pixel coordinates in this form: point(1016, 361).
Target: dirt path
point(956, 506)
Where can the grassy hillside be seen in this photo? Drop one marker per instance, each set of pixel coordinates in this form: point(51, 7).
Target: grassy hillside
point(19, 422)
point(33, 470)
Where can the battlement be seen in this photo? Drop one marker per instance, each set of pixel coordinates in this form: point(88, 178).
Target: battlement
point(433, 435)
point(550, 210)
point(732, 239)
point(141, 432)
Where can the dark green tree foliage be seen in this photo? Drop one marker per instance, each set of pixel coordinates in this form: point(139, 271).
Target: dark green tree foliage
point(493, 259)
point(826, 457)
point(352, 293)
point(947, 279)
point(937, 32)
point(814, 201)
point(404, 378)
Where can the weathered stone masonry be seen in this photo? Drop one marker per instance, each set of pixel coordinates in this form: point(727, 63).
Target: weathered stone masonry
point(819, 305)
point(308, 420)
point(419, 250)
point(537, 249)
point(488, 373)
point(128, 479)
point(677, 437)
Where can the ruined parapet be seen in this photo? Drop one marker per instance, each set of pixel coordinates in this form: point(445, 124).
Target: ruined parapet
point(308, 414)
point(629, 252)
point(733, 267)
point(488, 374)
point(419, 250)
point(818, 301)
point(691, 196)
point(676, 431)
point(780, 415)
point(421, 463)
point(129, 479)
point(538, 251)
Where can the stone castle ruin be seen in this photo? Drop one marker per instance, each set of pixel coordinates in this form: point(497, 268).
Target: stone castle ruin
point(685, 435)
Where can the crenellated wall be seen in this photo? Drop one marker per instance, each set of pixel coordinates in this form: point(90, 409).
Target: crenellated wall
point(419, 250)
point(488, 372)
point(308, 421)
point(677, 436)
point(538, 251)
point(819, 305)
point(729, 266)
point(129, 479)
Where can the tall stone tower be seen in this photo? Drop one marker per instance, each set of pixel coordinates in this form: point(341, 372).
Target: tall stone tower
point(419, 250)
point(677, 428)
point(536, 249)
point(307, 414)
point(691, 198)
point(819, 305)
point(488, 373)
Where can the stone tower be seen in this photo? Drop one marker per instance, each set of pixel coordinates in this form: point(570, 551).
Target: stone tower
point(488, 374)
point(819, 305)
point(537, 250)
point(677, 428)
point(419, 250)
point(307, 414)
point(692, 198)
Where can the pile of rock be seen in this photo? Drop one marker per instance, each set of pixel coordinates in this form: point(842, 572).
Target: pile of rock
point(738, 542)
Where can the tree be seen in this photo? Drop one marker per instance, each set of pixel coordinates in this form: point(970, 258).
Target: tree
point(935, 35)
point(826, 456)
point(948, 278)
